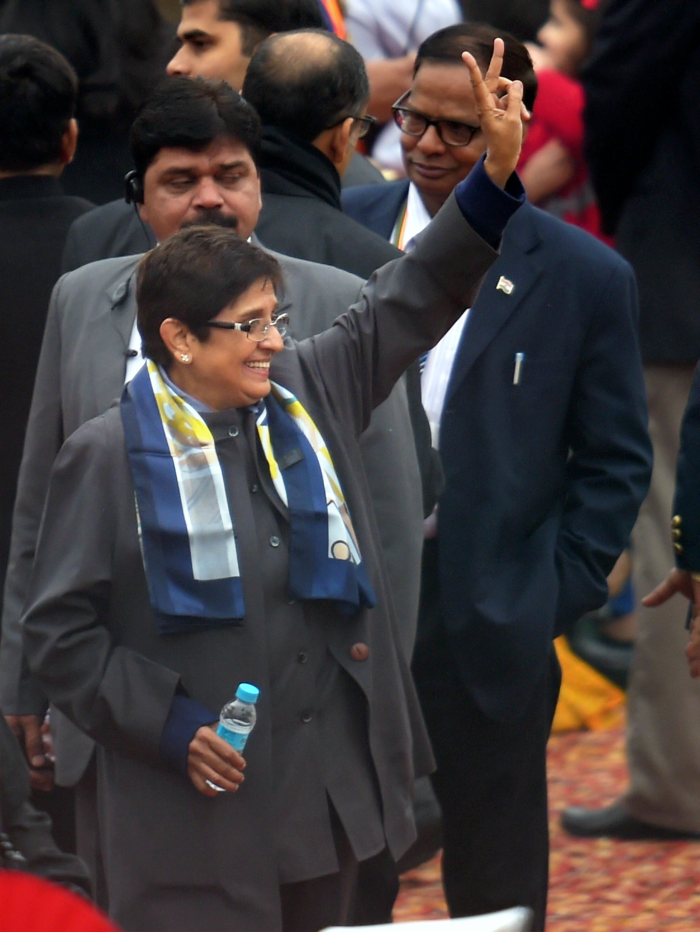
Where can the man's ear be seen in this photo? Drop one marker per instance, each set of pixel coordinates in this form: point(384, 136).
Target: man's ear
point(342, 139)
point(334, 142)
point(69, 142)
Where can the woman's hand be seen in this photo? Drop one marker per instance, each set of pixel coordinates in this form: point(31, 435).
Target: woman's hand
point(212, 758)
point(684, 582)
point(501, 117)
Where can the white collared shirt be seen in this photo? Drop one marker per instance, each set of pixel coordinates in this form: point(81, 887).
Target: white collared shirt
point(133, 363)
point(438, 367)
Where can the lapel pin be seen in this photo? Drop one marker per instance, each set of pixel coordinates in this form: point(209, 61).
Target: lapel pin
point(504, 285)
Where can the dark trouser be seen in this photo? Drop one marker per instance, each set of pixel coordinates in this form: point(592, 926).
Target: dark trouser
point(376, 891)
point(87, 832)
point(324, 901)
point(491, 778)
point(59, 804)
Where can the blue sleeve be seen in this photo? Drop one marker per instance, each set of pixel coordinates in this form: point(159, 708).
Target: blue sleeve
point(184, 718)
point(486, 207)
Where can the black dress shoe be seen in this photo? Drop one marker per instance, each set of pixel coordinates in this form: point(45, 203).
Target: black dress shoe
point(614, 821)
point(610, 658)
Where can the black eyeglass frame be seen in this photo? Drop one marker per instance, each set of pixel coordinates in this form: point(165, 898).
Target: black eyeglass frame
point(280, 323)
point(366, 123)
point(397, 111)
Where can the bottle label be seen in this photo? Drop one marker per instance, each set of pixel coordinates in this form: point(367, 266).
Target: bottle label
point(236, 739)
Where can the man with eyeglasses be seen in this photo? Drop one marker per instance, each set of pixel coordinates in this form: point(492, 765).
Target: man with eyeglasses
point(194, 146)
point(310, 90)
point(537, 405)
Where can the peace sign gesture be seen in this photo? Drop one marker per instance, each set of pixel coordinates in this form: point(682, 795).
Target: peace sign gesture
point(499, 104)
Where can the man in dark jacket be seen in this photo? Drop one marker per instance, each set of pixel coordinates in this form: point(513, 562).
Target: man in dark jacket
point(311, 92)
point(646, 173)
point(38, 92)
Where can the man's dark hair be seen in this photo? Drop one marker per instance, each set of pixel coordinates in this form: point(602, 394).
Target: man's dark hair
point(118, 49)
point(305, 81)
point(258, 19)
point(190, 113)
point(192, 276)
point(446, 46)
point(38, 93)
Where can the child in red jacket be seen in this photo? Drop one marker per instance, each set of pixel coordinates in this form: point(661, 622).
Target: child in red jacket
point(552, 165)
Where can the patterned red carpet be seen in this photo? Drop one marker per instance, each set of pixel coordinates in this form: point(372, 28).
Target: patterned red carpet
point(595, 885)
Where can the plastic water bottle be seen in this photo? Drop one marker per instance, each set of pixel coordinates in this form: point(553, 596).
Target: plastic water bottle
point(237, 717)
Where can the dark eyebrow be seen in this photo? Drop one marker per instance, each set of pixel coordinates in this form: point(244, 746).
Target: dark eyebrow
point(193, 34)
point(258, 314)
point(177, 170)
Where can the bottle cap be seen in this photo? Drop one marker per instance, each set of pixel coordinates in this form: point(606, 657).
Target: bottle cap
point(247, 693)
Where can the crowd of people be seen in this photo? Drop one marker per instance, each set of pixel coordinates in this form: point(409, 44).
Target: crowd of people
point(349, 345)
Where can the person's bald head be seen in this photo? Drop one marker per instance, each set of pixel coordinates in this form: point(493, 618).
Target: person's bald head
point(306, 82)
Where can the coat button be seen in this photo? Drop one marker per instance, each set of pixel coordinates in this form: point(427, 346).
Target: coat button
point(274, 541)
point(359, 651)
point(254, 487)
point(302, 656)
point(306, 717)
point(678, 548)
point(233, 431)
point(676, 521)
point(676, 533)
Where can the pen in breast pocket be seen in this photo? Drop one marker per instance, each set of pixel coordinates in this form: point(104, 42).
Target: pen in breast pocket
point(518, 367)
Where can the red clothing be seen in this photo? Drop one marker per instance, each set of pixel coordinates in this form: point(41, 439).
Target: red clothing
point(30, 904)
point(558, 114)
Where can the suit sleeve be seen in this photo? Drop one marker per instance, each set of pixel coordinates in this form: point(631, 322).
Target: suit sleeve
point(411, 302)
point(20, 694)
point(114, 694)
point(609, 467)
point(686, 506)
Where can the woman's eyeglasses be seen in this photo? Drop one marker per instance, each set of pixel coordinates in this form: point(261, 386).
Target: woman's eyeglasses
point(256, 329)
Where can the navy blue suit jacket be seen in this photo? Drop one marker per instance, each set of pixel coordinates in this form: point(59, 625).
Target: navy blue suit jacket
point(544, 478)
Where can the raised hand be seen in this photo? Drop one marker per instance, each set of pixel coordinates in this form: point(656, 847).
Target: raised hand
point(499, 104)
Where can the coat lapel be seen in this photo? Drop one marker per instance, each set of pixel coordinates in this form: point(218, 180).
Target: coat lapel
point(519, 265)
point(109, 342)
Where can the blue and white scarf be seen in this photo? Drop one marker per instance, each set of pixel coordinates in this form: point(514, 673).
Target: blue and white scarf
point(186, 528)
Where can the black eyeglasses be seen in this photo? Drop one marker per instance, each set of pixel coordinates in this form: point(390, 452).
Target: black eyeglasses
point(452, 132)
point(256, 329)
point(366, 123)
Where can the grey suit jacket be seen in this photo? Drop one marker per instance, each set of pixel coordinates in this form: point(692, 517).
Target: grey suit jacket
point(81, 372)
point(92, 638)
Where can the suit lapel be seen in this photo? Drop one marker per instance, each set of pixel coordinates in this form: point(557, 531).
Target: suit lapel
point(109, 342)
point(388, 206)
point(520, 265)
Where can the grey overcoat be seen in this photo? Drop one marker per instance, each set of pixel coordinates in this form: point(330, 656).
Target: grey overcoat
point(81, 372)
point(174, 858)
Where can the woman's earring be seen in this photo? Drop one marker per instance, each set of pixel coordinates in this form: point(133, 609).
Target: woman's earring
point(185, 357)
